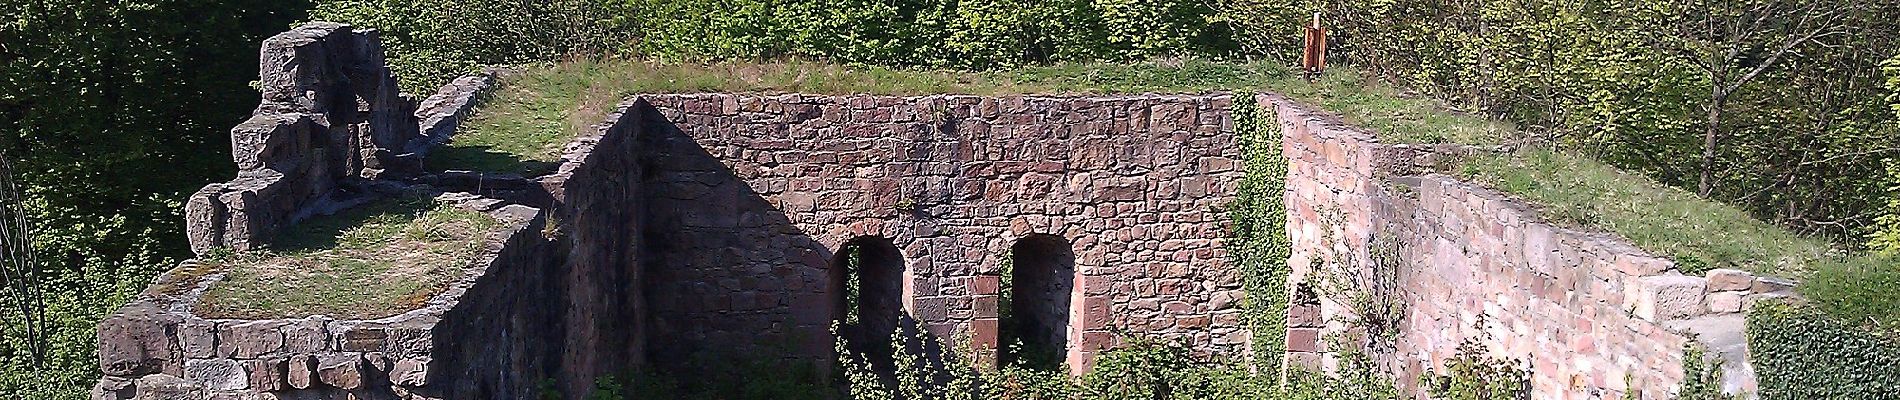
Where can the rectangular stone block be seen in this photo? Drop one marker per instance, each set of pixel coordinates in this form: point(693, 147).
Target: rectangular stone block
point(1667, 297)
point(1723, 279)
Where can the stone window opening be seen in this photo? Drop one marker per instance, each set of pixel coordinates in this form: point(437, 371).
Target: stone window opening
point(1038, 285)
point(867, 289)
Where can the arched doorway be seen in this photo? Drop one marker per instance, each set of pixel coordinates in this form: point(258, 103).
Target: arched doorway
point(1039, 280)
point(867, 290)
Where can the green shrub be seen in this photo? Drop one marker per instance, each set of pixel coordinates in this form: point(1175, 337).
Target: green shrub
point(1800, 352)
point(1472, 375)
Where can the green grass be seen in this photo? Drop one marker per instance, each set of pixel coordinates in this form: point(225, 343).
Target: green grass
point(537, 111)
point(371, 261)
point(1670, 222)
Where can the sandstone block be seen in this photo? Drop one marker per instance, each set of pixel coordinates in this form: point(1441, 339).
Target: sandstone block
point(410, 372)
point(166, 387)
point(1725, 302)
point(216, 374)
point(1302, 339)
point(1304, 315)
point(1666, 297)
point(198, 338)
point(113, 388)
point(342, 371)
point(1722, 279)
point(302, 371)
point(135, 343)
point(251, 339)
point(268, 375)
point(1770, 284)
point(1639, 265)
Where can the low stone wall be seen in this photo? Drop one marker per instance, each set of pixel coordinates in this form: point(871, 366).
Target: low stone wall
point(1588, 314)
point(484, 337)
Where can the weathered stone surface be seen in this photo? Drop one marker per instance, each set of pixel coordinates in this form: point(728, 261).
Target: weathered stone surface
point(1725, 302)
point(113, 388)
point(302, 371)
point(1722, 279)
point(137, 342)
point(216, 374)
point(1667, 297)
point(342, 371)
point(410, 372)
point(252, 339)
point(1769, 284)
point(166, 387)
point(268, 375)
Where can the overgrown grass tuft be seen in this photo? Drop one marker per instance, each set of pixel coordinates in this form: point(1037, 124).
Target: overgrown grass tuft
point(1864, 291)
point(371, 261)
point(1670, 222)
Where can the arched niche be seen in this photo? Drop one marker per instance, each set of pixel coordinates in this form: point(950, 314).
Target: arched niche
point(1035, 312)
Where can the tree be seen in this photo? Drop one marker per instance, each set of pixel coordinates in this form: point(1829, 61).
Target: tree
point(1733, 42)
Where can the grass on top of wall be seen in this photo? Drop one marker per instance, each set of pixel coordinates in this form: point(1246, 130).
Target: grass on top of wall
point(1698, 233)
point(371, 261)
point(537, 110)
point(1670, 222)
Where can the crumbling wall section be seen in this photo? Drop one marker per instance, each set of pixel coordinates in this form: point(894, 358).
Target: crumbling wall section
point(1586, 313)
point(484, 337)
point(330, 116)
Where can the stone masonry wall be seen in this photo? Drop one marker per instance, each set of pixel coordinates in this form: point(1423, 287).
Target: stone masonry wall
point(1582, 311)
point(330, 117)
point(483, 337)
point(596, 198)
point(750, 196)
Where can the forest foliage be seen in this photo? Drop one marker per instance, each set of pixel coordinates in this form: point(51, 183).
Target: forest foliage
point(114, 110)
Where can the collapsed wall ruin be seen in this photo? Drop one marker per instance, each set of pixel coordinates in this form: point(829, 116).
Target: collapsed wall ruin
point(698, 230)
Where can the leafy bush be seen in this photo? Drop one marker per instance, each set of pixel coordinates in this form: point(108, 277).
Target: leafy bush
point(432, 41)
point(1471, 375)
point(1800, 352)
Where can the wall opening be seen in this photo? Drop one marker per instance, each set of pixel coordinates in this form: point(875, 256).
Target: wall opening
point(867, 290)
point(1039, 282)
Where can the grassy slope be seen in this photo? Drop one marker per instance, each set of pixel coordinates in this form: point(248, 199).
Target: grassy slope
point(546, 105)
point(371, 261)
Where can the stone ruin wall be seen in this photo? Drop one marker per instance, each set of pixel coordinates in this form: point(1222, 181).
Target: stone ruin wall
point(692, 229)
point(330, 117)
point(331, 133)
point(1582, 311)
point(749, 197)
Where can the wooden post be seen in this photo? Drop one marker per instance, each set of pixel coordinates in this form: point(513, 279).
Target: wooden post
point(1313, 60)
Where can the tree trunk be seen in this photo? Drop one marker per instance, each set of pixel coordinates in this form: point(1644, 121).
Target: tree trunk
point(1707, 184)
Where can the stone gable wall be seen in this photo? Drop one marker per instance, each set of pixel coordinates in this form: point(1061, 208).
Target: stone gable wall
point(749, 197)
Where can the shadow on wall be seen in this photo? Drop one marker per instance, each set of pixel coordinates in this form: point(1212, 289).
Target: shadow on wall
point(734, 287)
